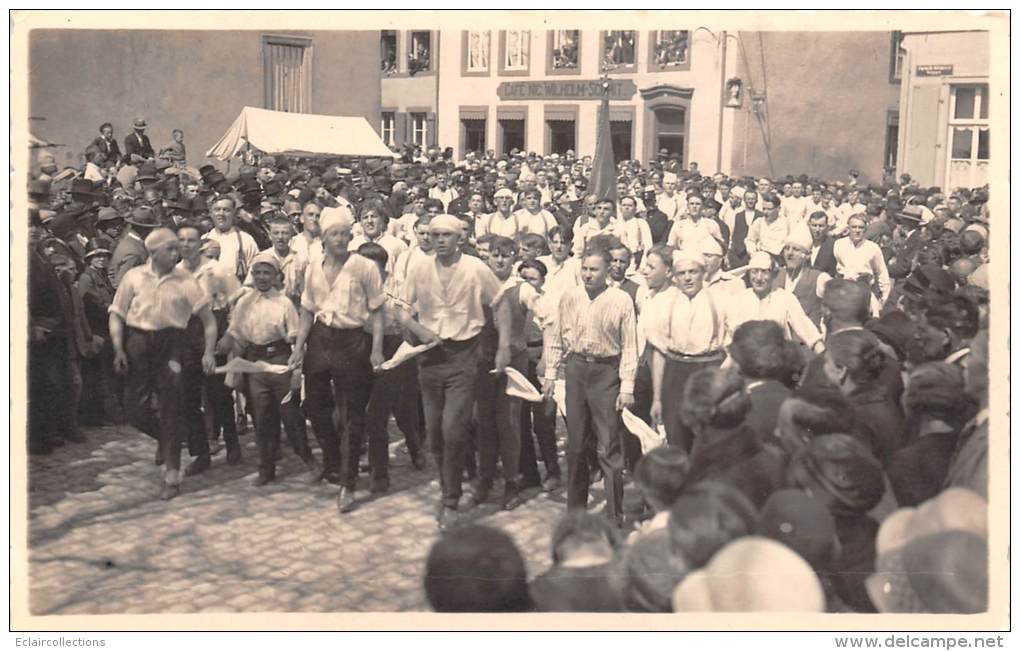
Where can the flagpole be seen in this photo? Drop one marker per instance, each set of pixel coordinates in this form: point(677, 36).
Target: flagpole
point(603, 174)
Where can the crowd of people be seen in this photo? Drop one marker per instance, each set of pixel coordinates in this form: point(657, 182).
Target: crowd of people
point(813, 354)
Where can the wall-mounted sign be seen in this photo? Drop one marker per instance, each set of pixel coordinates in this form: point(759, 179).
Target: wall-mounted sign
point(940, 70)
point(619, 89)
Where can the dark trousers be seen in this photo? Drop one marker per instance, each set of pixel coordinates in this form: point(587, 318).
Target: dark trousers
point(98, 403)
point(674, 379)
point(49, 390)
point(643, 396)
point(155, 370)
point(265, 392)
point(499, 421)
point(338, 372)
point(542, 417)
point(219, 397)
point(592, 390)
point(448, 377)
point(393, 392)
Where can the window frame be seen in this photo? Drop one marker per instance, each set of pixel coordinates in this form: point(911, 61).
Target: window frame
point(513, 72)
point(392, 113)
point(624, 68)
point(897, 55)
point(653, 40)
point(465, 44)
point(975, 123)
point(413, 128)
point(550, 46)
point(396, 52)
point(307, 61)
point(409, 48)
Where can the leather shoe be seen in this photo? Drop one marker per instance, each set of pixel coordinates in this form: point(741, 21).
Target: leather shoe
point(529, 482)
point(511, 498)
point(448, 519)
point(263, 478)
point(480, 495)
point(169, 491)
point(345, 501)
point(198, 466)
point(550, 483)
point(418, 461)
point(380, 486)
point(333, 477)
point(313, 473)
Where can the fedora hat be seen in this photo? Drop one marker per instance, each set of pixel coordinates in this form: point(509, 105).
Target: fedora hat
point(139, 123)
point(143, 216)
point(146, 173)
point(108, 214)
point(97, 246)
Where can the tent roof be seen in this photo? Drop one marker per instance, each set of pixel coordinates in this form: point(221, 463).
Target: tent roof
point(300, 134)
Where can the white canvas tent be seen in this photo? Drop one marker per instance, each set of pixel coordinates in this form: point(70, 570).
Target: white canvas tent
point(299, 134)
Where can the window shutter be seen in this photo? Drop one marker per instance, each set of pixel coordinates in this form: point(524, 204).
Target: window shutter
point(430, 119)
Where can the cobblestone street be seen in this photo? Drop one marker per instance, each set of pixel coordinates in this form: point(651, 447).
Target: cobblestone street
point(102, 542)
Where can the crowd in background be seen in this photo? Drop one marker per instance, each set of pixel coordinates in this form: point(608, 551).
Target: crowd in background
point(814, 351)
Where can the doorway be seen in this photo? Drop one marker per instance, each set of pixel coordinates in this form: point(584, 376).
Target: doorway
point(511, 135)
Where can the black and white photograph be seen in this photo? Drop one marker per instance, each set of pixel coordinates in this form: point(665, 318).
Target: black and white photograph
point(356, 319)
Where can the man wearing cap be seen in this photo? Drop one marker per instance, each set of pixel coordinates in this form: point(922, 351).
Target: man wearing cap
point(342, 326)
point(148, 317)
point(263, 324)
point(693, 336)
point(765, 300)
point(805, 282)
point(449, 292)
point(221, 289)
point(130, 250)
point(723, 283)
point(595, 338)
point(504, 221)
point(96, 292)
point(137, 148)
point(690, 229)
point(237, 248)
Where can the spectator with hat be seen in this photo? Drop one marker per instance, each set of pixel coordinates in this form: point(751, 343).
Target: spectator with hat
point(98, 404)
point(137, 148)
point(130, 250)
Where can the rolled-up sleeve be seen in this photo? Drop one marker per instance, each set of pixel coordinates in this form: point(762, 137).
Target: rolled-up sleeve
point(628, 349)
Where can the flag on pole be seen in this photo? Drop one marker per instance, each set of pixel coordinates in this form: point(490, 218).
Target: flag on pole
point(603, 173)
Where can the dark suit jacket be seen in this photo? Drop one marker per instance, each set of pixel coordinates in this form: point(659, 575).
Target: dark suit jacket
point(825, 260)
point(139, 144)
point(631, 288)
point(130, 252)
point(109, 148)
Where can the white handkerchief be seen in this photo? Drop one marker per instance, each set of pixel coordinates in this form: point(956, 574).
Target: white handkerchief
point(519, 386)
point(240, 365)
point(405, 352)
point(650, 438)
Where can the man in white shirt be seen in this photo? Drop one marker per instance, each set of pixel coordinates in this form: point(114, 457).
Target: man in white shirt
point(857, 257)
point(503, 221)
point(768, 234)
point(403, 227)
point(237, 248)
point(532, 218)
point(602, 224)
point(762, 301)
point(689, 230)
point(308, 243)
point(670, 202)
point(794, 207)
point(633, 231)
point(443, 191)
point(374, 223)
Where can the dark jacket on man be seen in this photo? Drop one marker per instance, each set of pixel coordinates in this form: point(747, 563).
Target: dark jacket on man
point(137, 143)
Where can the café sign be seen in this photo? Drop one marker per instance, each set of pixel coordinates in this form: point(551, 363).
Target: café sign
point(619, 89)
point(935, 71)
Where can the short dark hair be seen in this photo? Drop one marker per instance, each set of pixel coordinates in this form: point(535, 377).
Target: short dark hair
point(818, 214)
point(504, 245)
point(566, 234)
point(374, 252)
point(579, 525)
point(757, 347)
point(476, 569)
point(535, 240)
point(662, 472)
point(706, 517)
point(104, 125)
point(537, 265)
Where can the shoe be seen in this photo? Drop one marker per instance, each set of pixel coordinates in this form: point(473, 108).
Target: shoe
point(550, 483)
point(263, 478)
point(233, 450)
point(313, 473)
point(529, 482)
point(75, 436)
point(448, 519)
point(380, 486)
point(511, 497)
point(596, 476)
point(333, 477)
point(198, 466)
point(480, 495)
point(345, 501)
point(418, 461)
point(169, 491)
point(159, 456)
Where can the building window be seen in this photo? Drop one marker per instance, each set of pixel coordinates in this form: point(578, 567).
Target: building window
point(389, 121)
point(619, 48)
point(517, 52)
point(562, 136)
point(620, 133)
point(897, 57)
point(511, 135)
point(565, 48)
point(670, 50)
point(969, 136)
point(419, 129)
point(477, 52)
point(388, 51)
point(892, 134)
point(287, 70)
point(419, 54)
point(474, 135)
